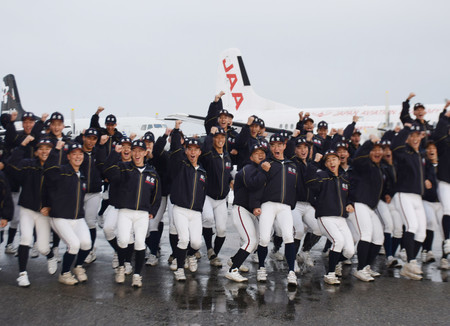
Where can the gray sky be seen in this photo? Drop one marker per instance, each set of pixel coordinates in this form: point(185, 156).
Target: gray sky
point(143, 57)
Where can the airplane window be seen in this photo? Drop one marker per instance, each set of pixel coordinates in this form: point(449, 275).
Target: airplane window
point(286, 126)
point(143, 127)
point(158, 126)
point(149, 126)
point(292, 126)
point(281, 126)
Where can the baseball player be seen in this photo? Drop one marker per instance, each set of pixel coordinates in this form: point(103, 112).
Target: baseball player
point(332, 206)
point(29, 174)
point(408, 199)
point(248, 137)
point(139, 198)
point(281, 174)
point(187, 194)
point(66, 186)
point(218, 166)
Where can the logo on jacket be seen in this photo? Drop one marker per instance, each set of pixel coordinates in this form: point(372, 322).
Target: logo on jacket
point(228, 165)
point(83, 186)
point(292, 170)
point(344, 186)
point(150, 180)
point(202, 178)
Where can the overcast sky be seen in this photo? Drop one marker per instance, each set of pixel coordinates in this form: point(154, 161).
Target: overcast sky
point(144, 57)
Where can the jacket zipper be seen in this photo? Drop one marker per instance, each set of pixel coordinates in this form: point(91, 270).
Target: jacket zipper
point(340, 196)
point(139, 192)
point(223, 172)
point(195, 188)
point(282, 182)
point(78, 198)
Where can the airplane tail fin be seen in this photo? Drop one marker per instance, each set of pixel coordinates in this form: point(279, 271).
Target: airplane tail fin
point(240, 98)
point(10, 97)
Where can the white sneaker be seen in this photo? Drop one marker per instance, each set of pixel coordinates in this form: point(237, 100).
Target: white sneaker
point(362, 275)
point(128, 268)
point(446, 247)
point(261, 274)
point(408, 272)
point(9, 249)
point(403, 256)
point(331, 278)
point(91, 257)
point(56, 254)
point(243, 268)
point(23, 280)
point(67, 278)
point(444, 264)
point(192, 261)
point(34, 252)
point(427, 257)
point(305, 257)
point(179, 274)
point(52, 265)
point(120, 274)
point(391, 262)
point(80, 273)
point(415, 267)
point(292, 278)
point(152, 260)
point(115, 261)
point(211, 254)
point(254, 258)
point(137, 281)
point(174, 265)
point(382, 251)
point(337, 270)
point(235, 276)
point(371, 272)
point(276, 255)
point(216, 262)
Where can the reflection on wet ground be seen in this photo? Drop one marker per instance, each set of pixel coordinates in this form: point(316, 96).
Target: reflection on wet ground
point(208, 298)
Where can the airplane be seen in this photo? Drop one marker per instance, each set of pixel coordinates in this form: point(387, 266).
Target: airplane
point(241, 100)
point(73, 127)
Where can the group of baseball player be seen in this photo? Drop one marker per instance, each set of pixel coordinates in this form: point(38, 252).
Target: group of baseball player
point(291, 187)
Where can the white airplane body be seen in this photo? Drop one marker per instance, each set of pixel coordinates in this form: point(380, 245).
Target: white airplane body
point(241, 100)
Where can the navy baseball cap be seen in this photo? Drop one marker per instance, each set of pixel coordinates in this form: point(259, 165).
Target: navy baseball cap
point(91, 132)
point(28, 115)
point(45, 142)
point(264, 144)
point(308, 119)
point(341, 144)
point(328, 153)
point(262, 123)
point(418, 106)
point(56, 116)
point(276, 138)
point(256, 147)
point(47, 124)
point(192, 142)
point(110, 119)
point(138, 143)
point(149, 136)
point(220, 131)
point(386, 143)
point(322, 124)
point(74, 146)
point(226, 112)
point(126, 140)
point(258, 121)
point(300, 141)
point(357, 131)
point(416, 127)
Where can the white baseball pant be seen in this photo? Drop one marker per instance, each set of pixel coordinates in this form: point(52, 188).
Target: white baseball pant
point(30, 219)
point(189, 227)
point(132, 221)
point(443, 191)
point(92, 203)
point(111, 216)
point(307, 214)
point(433, 211)
point(172, 227)
point(74, 233)
point(282, 214)
point(367, 224)
point(14, 223)
point(411, 210)
point(247, 226)
point(391, 218)
point(336, 229)
point(215, 212)
point(153, 223)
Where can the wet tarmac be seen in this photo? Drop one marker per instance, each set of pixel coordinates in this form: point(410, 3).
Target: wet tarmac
point(208, 298)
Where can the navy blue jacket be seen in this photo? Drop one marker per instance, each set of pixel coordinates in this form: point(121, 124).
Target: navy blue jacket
point(430, 174)
point(409, 165)
point(389, 180)
point(137, 190)
point(244, 143)
point(303, 192)
point(6, 202)
point(161, 163)
point(442, 140)
point(331, 191)
point(92, 167)
point(247, 182)
point(367, 178)
point(188, 188)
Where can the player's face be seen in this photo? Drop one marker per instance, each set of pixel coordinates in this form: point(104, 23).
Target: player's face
point(432, 152)
point(376, 154)
point(28, 125)
point(301, 151)
point(43, 152)
point(277, 148)
point(149, 145)
point(56, 127)
point(258, 156)
point(332, 163)
point(219, 141)
point(322, 132)
point(309, 126)
point(420, 113)
point(414, 140)
point(223, 121)
point(89, 142)
point(126, 152)
point(387, 153)
point(343, 155)
point(355, 138)
point(110, 128)
point(138, 156)
point(192, 153)
point(254, 130)
point(75, 158)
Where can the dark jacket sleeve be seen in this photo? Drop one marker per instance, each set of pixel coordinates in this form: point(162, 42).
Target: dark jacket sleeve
point(213, 114)
point(348, 131)
point(155, 200)
point(404, 115)
point(312, 180)
point(6, 202)
point(361, 159)
point(111, 169)
point(94, 122)
point(398, 142)
point(14, 167)
point(441, 130)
